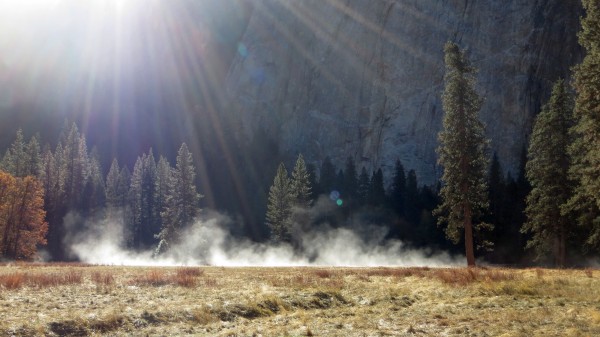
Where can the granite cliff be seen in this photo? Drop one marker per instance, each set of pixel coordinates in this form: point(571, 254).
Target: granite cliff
point(363, 78)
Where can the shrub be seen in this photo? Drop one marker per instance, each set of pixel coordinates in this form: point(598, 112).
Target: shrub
point(12, 281)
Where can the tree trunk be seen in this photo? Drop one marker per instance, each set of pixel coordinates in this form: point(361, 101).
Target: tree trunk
point(469, 250)
point(560, 254)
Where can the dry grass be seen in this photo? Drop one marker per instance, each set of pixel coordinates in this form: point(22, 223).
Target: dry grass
point(40, 280)
point(12, 281)
point(62, 300)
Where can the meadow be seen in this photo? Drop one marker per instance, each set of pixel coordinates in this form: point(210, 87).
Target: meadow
point(88, 300)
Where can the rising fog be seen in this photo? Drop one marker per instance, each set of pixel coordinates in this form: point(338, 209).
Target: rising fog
point(209, 242)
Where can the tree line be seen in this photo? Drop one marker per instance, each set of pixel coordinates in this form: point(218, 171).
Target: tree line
point(562, 165)
point(404, 206)
point(154, 202)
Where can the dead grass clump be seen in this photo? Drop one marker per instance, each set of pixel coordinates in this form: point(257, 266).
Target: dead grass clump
point(363, 277)
point(103, 279)
point(210, 282)
point(464, 276)
point(273, 304)
point(518, 288)
point(12, 281)
point(322, 273)
point(154, 318)
point(539, 273)
point(190, 271)
point(250, 311)
point(72, 277)
point(299, 281)
point(68, 328)
point(326, 299)
point(461, 277)
point(107, 324)
point(186, 281)
point(203, 316)
point(153, 278)
point(588, 272)
point(397, 272)
point(187, 276)
point(495, 275)
point(47, 280)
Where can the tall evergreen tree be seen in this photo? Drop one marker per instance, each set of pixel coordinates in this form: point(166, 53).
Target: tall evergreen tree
point(585, 149)
point(163, 177)
point(182, 202)
point(411, 200)
point(146, 215)
point(94, 193)
point(279, 207)
point(74, 166)
point(398, 191)
point(312, 182)
point(462, 152)
point(300, 184)
point(350, 187)
point(326, 177)
point(496, 192)
point(135, 193)
point(377, 192)
point(15, 160)
point(33, 162)
point(547, 171)
point(113, 199)
point(338, 184)
point(364, 186)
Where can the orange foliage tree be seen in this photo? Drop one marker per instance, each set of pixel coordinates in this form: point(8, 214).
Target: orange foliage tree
point(22, 225)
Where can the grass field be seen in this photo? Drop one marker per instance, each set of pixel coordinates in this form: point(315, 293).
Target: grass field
point(80, 300)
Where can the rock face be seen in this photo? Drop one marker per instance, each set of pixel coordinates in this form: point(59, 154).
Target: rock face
point(364, 78)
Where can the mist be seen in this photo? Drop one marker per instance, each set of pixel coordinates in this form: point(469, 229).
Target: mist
point(209, 242)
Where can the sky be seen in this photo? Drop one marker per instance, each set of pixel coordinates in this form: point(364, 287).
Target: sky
point(133, 73)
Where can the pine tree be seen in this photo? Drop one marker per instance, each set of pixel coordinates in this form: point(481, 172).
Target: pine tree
point(497, 187)
point(377, 192)
point(33, 159)
point(585, 149)
point(350, 187)
point(74, 166)
point(113, 198)
point(15, 160)
point(300, 184)
point(94, 193)
point(547, 171)
point(411, 200)
point(182, 203)
point(462, 152)
point(326, 177)
point(398, 192)
point(146, 216)
point(135, 197)
point(364, 186)
point(163, 177)
point(48, 176)
point(338, 184)
point(312, 183)
point(279, 207)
